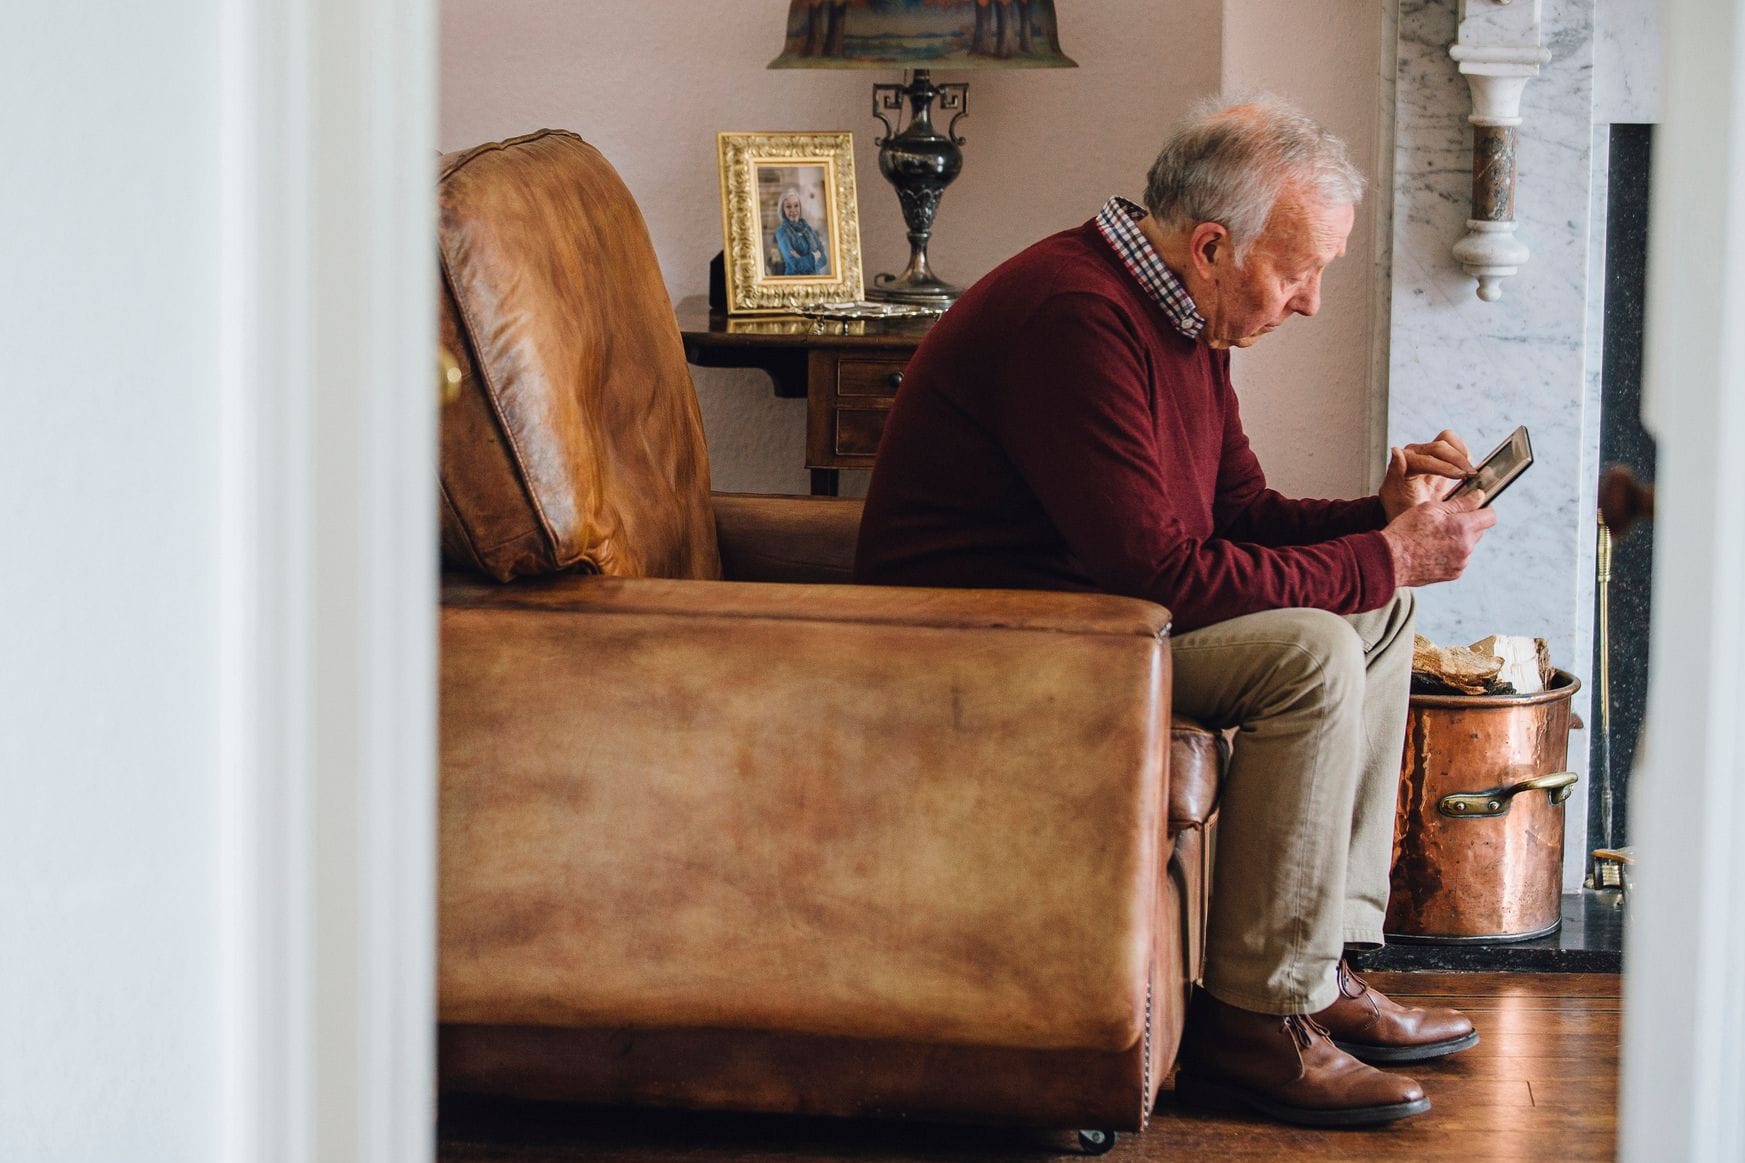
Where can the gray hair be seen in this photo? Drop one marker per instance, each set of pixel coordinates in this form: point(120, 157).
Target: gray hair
point(1229, 162)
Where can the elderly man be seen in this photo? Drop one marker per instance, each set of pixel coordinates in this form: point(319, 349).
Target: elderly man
point(1070, 424)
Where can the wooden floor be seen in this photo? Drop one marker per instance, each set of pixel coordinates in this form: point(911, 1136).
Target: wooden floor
point(1541, 1084)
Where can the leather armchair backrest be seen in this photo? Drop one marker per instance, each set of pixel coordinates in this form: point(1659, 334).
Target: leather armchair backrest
point(576, 443)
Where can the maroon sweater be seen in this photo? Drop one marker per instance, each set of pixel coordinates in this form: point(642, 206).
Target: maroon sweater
point(1055, 431)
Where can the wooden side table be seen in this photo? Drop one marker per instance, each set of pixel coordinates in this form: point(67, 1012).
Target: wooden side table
point(847, 370)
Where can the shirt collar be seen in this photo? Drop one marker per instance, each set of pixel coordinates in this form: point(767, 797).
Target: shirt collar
point(1119, 223)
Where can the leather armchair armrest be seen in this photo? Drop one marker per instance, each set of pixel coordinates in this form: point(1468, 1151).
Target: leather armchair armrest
point(1198, 757)
point(929, 815)
point(786, 539)
point(896, 606)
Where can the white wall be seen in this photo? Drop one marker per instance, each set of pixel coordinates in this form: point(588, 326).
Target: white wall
point(651, 84)
point(109, 269)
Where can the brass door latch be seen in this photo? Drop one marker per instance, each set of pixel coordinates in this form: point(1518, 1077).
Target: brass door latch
point(448, 377)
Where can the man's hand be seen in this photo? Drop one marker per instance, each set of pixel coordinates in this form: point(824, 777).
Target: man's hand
point(1432, 540)
point(1421, 472)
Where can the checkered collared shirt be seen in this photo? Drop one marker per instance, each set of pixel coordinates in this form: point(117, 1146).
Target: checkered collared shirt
point(1119, 222)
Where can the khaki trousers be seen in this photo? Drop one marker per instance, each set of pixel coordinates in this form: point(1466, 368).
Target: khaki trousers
point(1306, 819)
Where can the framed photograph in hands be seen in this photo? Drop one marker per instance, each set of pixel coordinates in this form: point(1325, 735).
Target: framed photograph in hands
point(789, 220)
point(1498, 471)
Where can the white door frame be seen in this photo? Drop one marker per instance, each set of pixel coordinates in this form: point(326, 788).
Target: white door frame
point(329, 571)
point(1684, 1028)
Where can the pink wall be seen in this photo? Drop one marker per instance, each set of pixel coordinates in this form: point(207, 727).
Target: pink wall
point(652, 83)
point(1313, 399)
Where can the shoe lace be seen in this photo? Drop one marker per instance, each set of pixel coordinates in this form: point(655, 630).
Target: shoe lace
point(1348, 976)
point(1304, 1030)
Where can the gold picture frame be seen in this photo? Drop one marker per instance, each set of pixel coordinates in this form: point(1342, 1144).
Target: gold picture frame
point(789, 220)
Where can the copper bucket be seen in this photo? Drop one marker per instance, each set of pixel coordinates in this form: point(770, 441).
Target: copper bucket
point(1478, 841)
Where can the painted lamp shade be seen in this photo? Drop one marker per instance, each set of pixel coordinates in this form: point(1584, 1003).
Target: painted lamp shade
point(922, 34)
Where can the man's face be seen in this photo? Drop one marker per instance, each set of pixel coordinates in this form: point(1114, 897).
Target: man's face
point(1281, 276)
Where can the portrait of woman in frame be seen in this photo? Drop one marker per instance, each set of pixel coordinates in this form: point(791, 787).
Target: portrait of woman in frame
point(789, 221)
point(795, 202)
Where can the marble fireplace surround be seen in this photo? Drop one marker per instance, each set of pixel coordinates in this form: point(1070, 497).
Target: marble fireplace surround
point(1532, 357)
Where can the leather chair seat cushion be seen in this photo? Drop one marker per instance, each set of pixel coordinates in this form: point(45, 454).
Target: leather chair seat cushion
point(576, 443)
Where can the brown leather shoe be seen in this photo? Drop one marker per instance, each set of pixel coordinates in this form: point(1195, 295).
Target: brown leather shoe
point(1367, 1024)
point(1285, 1067)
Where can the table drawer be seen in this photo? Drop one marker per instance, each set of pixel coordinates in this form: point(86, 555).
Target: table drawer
point(848, 402)
point(858, 430)
point(848, 372)
point(869, 377)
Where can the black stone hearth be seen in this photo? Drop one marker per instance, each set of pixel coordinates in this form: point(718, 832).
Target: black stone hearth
point(1590, 940)
point(1623, 441)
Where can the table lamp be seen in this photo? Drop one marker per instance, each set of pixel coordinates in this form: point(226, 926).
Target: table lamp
point(921, 35)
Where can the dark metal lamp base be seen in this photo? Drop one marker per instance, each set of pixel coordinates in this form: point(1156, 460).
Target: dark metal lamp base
point(919, 162)
point(904, 288)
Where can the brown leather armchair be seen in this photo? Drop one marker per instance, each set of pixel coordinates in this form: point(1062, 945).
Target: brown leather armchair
point(752, 843)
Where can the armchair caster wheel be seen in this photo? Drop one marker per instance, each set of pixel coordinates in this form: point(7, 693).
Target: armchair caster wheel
point(1096, 1142)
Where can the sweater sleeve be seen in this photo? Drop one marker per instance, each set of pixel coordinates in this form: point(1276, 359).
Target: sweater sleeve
point(1125, 489)
point(1246, 510)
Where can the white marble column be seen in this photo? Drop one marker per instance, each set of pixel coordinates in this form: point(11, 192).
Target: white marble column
point(1628, 69)
point(1482, 368)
